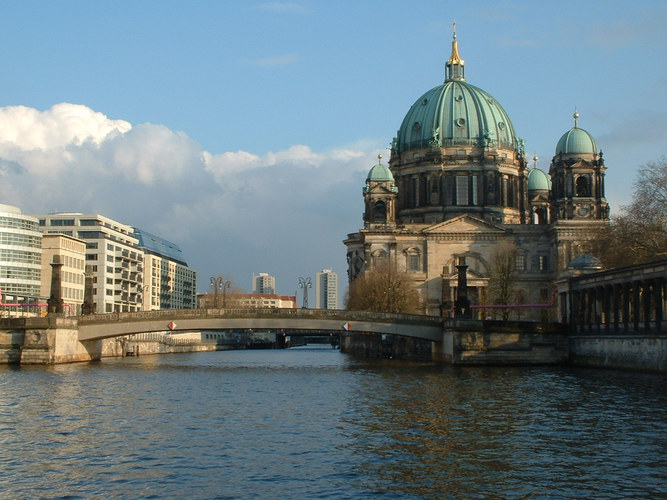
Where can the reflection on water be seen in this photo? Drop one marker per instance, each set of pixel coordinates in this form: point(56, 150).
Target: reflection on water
point(312, 422)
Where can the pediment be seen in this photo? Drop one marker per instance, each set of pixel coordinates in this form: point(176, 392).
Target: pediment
point(540, 198)
point(464, 224)
point(379, 189)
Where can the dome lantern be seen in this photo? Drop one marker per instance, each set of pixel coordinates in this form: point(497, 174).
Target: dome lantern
point(454, 69)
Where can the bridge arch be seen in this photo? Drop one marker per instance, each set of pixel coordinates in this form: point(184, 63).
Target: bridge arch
point(101, 326)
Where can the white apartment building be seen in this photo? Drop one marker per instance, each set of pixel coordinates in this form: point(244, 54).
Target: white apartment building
point(20, 263)
point(168, 281)
point(132, 270)
point(326, 289)
point(263, 283)
point(112, 252)
point(249, 301)
point(72, 253)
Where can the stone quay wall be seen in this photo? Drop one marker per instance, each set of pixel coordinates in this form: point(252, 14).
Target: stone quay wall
point(470, 342)
point(634, 352)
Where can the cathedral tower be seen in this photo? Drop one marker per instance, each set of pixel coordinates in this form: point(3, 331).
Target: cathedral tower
point(577, 176)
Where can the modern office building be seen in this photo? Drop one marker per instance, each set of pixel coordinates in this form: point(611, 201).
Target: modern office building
point(168, 281)
point(116, 262)
point(326, 289)
point(20, 262)
point(263, 283)
point(132, 270)
point(71, 253)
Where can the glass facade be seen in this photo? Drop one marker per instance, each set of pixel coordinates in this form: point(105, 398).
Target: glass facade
point(20, 262)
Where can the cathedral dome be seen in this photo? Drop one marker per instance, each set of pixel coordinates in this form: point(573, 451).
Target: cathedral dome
point(455, 113)
point(576, 141)
point(538, 180)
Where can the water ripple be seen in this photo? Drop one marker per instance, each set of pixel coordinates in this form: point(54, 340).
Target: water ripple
point(313, 423)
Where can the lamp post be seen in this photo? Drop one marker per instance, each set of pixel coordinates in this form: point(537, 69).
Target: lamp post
point(219, 284)
point(305, 283)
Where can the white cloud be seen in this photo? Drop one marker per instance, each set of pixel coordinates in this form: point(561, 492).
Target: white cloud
point(62, 125)
point(237, 212)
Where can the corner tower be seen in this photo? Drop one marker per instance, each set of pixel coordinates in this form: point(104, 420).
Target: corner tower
point(457, 153)
point(380, 194)
point(577, 176)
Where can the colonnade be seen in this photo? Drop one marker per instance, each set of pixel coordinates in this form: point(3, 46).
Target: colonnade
point(631, 300)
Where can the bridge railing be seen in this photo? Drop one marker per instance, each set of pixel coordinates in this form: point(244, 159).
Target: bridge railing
point(343, 315)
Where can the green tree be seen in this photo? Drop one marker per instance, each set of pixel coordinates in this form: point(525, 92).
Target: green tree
point(383, 289)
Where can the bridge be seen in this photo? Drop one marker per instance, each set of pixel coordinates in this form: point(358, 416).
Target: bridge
point(102, 326)
point(57, 338)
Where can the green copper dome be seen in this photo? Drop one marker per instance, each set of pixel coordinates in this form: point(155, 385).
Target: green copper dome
point(456, 113)
point(380, 173)
point(576, 140)
point(538, 180)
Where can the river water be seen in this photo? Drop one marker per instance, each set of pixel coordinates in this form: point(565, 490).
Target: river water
point(314, 423)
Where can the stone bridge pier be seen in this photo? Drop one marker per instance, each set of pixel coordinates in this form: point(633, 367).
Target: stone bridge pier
point(46, 340)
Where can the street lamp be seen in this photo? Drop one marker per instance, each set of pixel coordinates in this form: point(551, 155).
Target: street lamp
point(305, 283)
point(219, 284)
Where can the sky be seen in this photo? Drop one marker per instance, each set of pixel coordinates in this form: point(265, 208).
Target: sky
point(243, 131)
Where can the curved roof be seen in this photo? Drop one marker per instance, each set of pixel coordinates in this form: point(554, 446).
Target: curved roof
point(586, 262)
point(456, 113)
point(538, 180)
point(576, 140)
point(380, 173)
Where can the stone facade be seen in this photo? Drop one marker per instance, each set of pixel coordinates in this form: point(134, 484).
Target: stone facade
point(458, 190)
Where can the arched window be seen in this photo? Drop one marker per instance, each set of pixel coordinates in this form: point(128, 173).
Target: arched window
point(583, 188)
point(380, 211)
point(379, 256)
point(413, 260)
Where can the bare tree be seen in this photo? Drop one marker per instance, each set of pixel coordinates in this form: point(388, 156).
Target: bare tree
point(383, 289)
point(503, 275)
point(223, 292)
point(639, 233)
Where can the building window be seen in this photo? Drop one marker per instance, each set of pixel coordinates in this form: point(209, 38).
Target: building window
point(542, 262)
point(473, 192)
point(521, 262)
point(449, 190)
point(461, 190)
point(412, 260)
point(380, 212)
point(582, 186)
point(61, 222)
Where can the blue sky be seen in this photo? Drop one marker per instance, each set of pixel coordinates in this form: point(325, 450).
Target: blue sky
point(243, 131)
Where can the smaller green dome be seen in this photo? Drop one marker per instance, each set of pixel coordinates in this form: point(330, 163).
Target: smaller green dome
point(380, 173)
point(586, 262)
point(538, 180)
point(576, 140)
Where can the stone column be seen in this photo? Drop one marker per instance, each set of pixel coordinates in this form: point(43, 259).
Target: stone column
point(462, 301)
point(55, 301)
point(88, 306)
